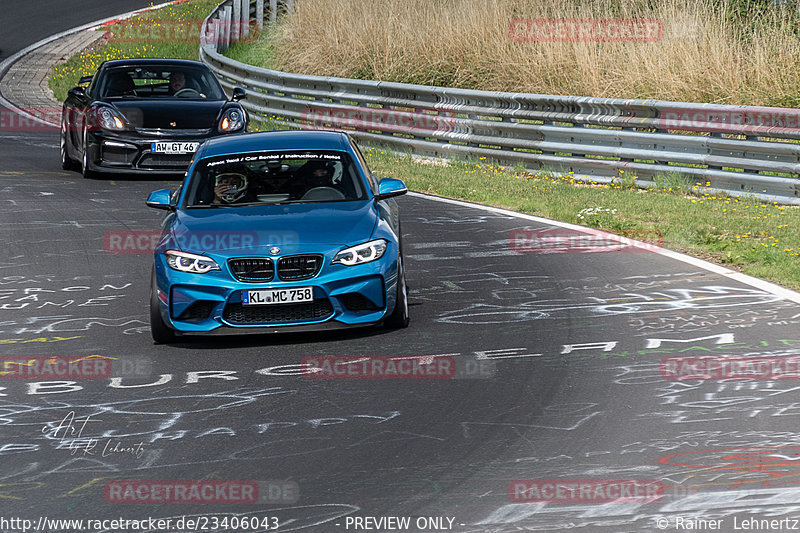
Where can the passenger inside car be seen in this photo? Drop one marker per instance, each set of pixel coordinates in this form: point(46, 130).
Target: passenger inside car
point(120, 84)
point(314, 181)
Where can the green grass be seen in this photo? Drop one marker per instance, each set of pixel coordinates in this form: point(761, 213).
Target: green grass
point(754, 237)
point(66, 75)
point(264, 51)
point(757, 238)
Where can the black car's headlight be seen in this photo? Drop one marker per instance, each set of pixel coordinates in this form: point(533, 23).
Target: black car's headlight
point(363, 253)
point(106, 118)
point(186, 262)
point(232, 120)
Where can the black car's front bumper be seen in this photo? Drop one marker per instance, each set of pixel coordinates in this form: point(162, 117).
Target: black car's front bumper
point(131, 152)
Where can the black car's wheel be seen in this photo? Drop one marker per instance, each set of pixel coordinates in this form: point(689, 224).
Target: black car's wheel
point(67, 163)
point(88, 174)
point(399, 317)
point(162, 334)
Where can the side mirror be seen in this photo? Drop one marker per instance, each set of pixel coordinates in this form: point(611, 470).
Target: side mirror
point(389, 188)
point(160, 200)
point(77, 92)
point(238, 94)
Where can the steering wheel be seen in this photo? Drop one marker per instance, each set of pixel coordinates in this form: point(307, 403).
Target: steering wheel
point(186, 91)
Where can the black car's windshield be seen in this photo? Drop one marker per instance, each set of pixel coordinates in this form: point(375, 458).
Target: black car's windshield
point(160, 81)
point(275, 178)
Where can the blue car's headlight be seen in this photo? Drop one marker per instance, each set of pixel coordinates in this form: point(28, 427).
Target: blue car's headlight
point(363, 253)
point(186, 262)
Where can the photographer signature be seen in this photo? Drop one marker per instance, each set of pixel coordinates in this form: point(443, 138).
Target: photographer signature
point(69, 433)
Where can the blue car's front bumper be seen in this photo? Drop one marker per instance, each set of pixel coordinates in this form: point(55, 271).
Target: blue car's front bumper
point(211, 303)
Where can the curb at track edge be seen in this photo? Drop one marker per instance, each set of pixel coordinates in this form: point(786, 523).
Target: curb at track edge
point(9, 61)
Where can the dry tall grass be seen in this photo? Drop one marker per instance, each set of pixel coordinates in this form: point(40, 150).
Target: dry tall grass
point(703, 56)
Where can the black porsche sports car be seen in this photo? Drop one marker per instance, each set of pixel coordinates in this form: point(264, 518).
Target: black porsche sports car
point(144, 116)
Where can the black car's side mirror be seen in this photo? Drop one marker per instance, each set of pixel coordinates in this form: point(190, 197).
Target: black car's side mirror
point(238, 94)
point(77, 92)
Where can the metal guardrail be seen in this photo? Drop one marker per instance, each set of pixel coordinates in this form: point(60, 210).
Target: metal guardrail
point(738, 150)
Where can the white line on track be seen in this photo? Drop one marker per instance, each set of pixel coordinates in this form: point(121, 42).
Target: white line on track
point(764, 285)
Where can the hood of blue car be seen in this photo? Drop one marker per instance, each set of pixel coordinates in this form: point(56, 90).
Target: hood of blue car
point(289, 228)
point(170, 113)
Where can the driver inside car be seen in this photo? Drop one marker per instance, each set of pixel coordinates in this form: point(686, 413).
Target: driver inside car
point(177, 81)
point(178, 85)
point(231, 188)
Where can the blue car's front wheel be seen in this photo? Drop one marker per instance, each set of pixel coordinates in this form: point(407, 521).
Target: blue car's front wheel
point(399, 317)
point(161, 333)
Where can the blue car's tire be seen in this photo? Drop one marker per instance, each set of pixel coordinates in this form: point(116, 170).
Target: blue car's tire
point(162, 334)
point(399, 317)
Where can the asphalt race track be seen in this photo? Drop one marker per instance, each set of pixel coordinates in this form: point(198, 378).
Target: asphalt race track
point(25, 22)
point(558, 378)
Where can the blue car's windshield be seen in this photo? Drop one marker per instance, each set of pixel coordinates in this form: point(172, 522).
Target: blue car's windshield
point(275, 178)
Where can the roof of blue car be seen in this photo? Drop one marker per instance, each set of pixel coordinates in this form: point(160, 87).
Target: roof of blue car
point(275, 140)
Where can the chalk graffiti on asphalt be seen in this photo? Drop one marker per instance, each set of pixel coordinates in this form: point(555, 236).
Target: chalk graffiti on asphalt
point(707, 297)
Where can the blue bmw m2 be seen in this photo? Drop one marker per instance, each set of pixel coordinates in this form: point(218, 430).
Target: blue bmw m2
point(278, 231)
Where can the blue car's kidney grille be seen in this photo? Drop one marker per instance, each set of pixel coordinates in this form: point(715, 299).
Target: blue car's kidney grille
point(296, 267)
point(236, 313)
point(252, 268)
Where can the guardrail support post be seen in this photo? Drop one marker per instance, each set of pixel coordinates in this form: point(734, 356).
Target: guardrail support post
point(273, 10)
point(227, 28)
point(260, 14)
point(215, 33)
point(245, 27)
point(237, 20)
